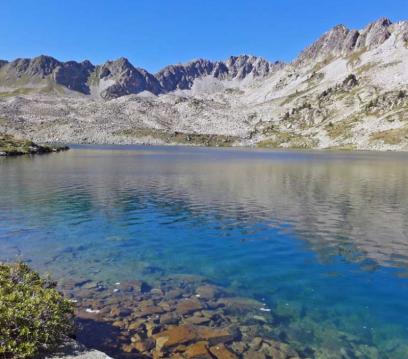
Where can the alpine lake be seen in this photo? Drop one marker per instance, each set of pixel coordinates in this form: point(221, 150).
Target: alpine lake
point(241, 252)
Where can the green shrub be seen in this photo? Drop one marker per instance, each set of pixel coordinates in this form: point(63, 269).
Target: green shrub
point(34, 317)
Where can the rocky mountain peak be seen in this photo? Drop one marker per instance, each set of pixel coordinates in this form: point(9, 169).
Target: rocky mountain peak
point(40, 66)
point(181, 77)
point(124, 79)
point(330, 43)
point(341, 41)
point(241, 66)
point(74, 75)
point(374, 34)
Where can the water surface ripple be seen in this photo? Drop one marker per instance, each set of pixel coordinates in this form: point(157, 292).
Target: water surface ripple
point(321, 237)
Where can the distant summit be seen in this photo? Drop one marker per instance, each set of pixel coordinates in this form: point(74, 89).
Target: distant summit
point(119, 77)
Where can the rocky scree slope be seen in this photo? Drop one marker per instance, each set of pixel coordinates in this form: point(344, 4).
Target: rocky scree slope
point(348, 90)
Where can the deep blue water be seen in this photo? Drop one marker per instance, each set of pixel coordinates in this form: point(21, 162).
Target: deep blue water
point(321, 238)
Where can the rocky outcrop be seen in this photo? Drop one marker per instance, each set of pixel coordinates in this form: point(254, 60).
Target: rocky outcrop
point(182, 77)
point(342, 41)
point(177, 317)
point(74, 75)
point(74, 350)
point(11, 146)
point(124, 79)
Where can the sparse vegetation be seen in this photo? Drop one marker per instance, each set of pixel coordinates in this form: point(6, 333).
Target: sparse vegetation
point(341, 129)
point(344, 147)
point(181, 137)
point(34, 317)
point(365, 68)
point(282, 139)
point(355, 57)
point(11, 146)
point(391, 137)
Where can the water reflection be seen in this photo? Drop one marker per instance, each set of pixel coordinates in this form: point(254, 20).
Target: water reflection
point(321, 236)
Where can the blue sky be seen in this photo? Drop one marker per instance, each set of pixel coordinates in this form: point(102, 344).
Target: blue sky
point(153, 33)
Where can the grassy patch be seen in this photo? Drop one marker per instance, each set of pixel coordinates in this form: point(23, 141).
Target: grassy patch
point(11, 146)
point(355, 57)
point(93, 79)
point(365, 68)
point(17, 92)
point(181, 137)
point(318, 66)
point(341, 129)
point(293, 96)
point(289, 139)
point(34, 317)
point(344, 147)
point(390, 137)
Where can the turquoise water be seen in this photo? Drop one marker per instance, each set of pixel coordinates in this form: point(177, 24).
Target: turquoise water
point(321, 238)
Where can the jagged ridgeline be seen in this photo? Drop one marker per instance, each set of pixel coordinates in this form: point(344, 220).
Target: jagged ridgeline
point(119, 78)
point(347, 90)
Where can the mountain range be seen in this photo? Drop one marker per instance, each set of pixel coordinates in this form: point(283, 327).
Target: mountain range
point(347, 90)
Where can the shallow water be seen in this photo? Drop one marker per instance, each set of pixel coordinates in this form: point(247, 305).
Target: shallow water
point(321, 238)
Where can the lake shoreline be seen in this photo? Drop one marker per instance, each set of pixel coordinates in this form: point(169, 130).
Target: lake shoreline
point(11, 146)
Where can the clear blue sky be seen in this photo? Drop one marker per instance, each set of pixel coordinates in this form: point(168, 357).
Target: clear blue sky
point(153, 33)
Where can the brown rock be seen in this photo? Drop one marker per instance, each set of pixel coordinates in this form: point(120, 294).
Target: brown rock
point(222, 352)
point(137, 286)
point(215, 336)
point(136, 338)
point(252, 354)
point(256, 343)
point(239, 347)
point(119, 312)
point(128, 348)
point(169, 318)
point(208, 314)
point(148, 310)
point(144, 346)
point(185, 334)
point(157, 292)
point(197, 320)
point(240, 305)
point(180, 348)
point(177, 356)
point(166, 306)
point(278, 349)
point(175, 336)
point(188, 306)
point(152, 328)
point(119, 324)
point(134, 325)
point(208, 292)
point(198, 351)
point(174, 294)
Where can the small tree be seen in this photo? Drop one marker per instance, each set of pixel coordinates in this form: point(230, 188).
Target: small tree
point(34, 316)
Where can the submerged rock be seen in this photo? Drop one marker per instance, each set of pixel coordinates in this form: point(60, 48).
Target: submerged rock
point(181, 317)
point(222, 352)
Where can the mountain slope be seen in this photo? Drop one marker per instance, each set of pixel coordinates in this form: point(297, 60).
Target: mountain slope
point(349, 89)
